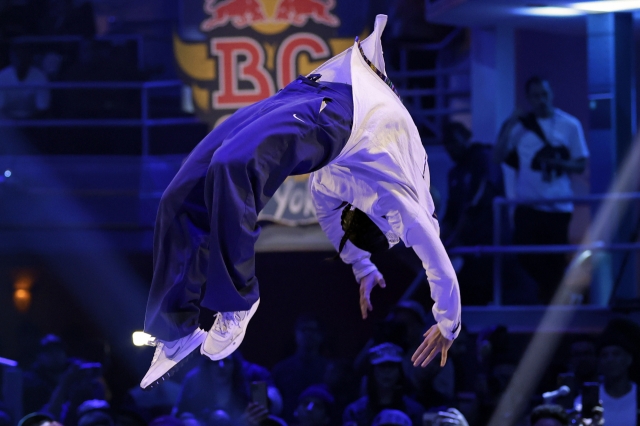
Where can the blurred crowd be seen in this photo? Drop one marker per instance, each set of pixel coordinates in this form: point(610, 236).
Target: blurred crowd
point(378, 387)
point(44, 41)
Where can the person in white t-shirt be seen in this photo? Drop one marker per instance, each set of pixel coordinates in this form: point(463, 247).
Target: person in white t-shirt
point(545, 146)
point(20, 101)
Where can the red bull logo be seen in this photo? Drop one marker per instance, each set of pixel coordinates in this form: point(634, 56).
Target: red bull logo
point(244, 13)
point(240, 13)
point(255, 47)
point(298, 12)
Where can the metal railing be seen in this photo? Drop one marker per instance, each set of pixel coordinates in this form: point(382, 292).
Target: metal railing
point(145, 122)
point(76, 40)
point(437, 94)
point(497, 250)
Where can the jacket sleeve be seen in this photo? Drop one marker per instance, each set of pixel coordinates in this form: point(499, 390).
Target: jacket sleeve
point(420, 231)
point(329, 211)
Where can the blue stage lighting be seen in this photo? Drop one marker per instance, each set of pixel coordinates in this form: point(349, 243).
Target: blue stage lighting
point(549, 11)
point(607, 6)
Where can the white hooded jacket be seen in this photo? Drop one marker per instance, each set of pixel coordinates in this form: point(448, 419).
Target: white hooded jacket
point(383, 171)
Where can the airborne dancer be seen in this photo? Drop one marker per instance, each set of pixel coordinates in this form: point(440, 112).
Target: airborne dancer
point(346, 125)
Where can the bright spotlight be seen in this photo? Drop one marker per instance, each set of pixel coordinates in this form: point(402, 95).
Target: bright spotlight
point(607, 6)
point(548, 11)
point(140, 338)
point(7, 173)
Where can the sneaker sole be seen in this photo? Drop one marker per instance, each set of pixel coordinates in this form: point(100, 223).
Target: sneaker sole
point(236, 343)
point(173, 370)
point(189, 352)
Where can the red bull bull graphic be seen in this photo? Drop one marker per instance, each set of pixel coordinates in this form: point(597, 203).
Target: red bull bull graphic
point(298, 12)
point(244, 13)
point(240, 13)
point(254, 48)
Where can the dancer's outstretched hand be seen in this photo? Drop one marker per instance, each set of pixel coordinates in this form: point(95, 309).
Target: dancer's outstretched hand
point(434, 343)
point(367, 283)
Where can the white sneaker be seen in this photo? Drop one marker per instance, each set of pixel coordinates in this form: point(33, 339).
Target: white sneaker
point(168, 355)
point(227, 333)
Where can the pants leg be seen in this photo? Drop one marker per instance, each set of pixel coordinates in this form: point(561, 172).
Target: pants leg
point(526, 232)
point(180, 247)
point(206, 224)
point(291, 136)
point(554, 264)
point(536, 227)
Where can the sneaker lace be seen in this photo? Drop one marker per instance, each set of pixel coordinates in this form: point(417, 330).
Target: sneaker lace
point(159, 345)
point(224, 321)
